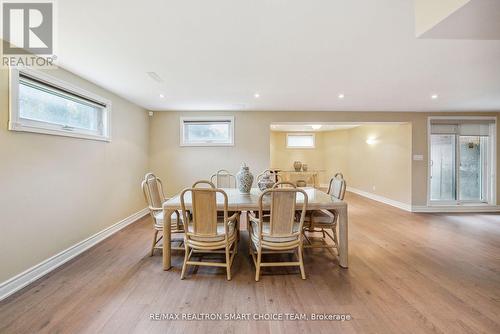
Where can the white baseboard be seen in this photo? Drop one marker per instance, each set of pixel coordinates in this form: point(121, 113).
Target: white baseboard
point(456, 209)
point(32, 274)
point(424, 208)
point(382, 199)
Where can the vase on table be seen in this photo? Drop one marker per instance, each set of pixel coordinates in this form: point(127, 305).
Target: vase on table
point(244, 179)
point(297, 165)
point(266, 182)
point(304, 167)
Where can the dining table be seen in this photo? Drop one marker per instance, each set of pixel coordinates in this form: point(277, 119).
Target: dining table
point(317, 200)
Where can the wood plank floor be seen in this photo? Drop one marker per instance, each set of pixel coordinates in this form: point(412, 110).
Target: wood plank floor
point(411, 273)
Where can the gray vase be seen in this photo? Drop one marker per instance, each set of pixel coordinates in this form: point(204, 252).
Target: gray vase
point(297, 165)
point(266, 182)
point(244, 179)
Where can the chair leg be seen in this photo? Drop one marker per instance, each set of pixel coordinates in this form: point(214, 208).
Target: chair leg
point(301, 260)
point(186, 256)
point(178, 217)
point(154, 243)
point(235, 250)
point(250, 250)
point(238, 226)
point(228, 263)
point(257, 265)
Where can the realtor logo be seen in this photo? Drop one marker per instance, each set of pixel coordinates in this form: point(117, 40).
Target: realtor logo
point(28, 33)
point(27, 28)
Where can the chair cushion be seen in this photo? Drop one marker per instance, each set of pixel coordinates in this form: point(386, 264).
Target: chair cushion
point(320, 217)
point(220, 233)
point(159, 219)
point(266, 228)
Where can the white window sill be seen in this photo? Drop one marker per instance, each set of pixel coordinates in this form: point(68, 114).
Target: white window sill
point(58, 132)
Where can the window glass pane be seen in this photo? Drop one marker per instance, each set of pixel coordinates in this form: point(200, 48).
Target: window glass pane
point(471, 167)
point(207, 132)
point(43, 105)
point(300, 140)
point(443, 167)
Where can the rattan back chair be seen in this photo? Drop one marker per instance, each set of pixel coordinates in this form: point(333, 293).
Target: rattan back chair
point(152, 188)
point(276, 229)
point(323, 221)
point(223, 179)
point(206, 231)
point(337, 186)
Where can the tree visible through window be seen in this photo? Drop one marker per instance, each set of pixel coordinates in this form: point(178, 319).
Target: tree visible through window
point(47, 105)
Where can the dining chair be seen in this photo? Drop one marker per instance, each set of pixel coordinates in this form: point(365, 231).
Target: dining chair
point(279, 231)
point(223, 179)
point(285, 184)
point(324, 220)
point(152, 188)
point(205, 231)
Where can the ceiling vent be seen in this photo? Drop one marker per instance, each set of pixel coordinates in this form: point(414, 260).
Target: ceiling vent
point(154, 76)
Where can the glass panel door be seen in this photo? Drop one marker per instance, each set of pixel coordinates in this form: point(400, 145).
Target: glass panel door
point(443, 185)
point(472, 168)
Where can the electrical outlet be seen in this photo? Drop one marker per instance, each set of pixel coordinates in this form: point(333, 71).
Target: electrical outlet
point(373, 188)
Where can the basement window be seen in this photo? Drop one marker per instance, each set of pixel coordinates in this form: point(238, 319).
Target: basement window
point(42, 104)
point(207, 131)
point(300, 140)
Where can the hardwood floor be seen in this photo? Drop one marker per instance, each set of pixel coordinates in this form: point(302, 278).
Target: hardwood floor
point(411, 273)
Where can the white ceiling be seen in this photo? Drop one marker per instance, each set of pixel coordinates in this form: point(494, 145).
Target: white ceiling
point(298, 55)
point(309, 127)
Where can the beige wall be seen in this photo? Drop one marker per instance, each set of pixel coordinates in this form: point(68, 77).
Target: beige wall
point(329, 156)
point(283, 158)
point(383, 168)
point(336, 149)
point(57, 191)
point(179, 166)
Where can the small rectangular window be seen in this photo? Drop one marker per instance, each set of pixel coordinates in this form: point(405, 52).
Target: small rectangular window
point(43, 104)
point(300, 140)
point(207, 131)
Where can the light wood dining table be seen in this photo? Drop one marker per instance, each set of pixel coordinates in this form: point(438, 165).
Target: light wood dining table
point(317, 200)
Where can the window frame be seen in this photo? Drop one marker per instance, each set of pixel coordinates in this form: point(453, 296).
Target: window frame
point(491, 176)
point(214, 119)
point(291, 134)
point(16, 123)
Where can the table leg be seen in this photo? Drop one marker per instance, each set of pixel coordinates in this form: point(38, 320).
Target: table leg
point(343, 237)
point(167, 214)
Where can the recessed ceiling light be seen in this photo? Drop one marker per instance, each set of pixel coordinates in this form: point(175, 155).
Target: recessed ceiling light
point(162, 96)
point(434, 96)
point(256, 95)
point(316, 126)
point(341, 96)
